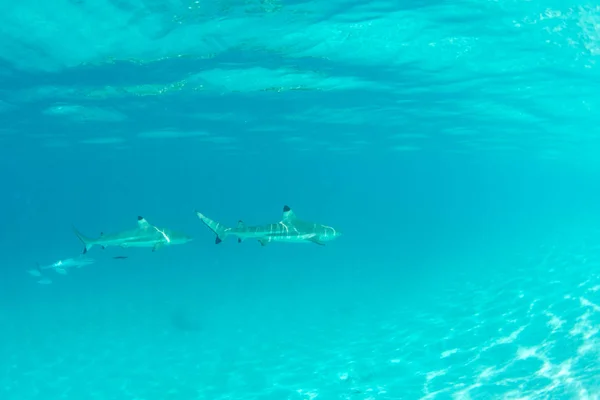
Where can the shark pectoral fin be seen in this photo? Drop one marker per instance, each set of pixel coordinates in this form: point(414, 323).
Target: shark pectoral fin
point(316, 241)
point(158, 246)
point(263, 242)
point(218, 240)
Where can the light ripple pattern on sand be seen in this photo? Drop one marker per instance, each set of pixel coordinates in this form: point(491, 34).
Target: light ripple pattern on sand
point(532, 330)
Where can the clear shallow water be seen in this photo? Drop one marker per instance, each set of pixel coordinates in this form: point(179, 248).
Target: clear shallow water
point(455, 146)
point(517, 331)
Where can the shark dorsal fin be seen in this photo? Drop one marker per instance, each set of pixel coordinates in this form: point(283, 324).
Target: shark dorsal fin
point(288, 215)
point(241, 224)
point(142, 223)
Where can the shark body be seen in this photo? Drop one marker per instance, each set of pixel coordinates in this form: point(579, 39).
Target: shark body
point(145, 235)
point(61, 266)
point(290, 229)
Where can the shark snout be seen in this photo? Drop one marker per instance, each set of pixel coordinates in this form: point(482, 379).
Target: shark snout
point(186, 239)
point(330, 234)
point(180, 238)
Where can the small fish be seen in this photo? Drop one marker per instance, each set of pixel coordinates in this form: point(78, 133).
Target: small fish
point(120, 257)
point(45, 281)
point(34, 272)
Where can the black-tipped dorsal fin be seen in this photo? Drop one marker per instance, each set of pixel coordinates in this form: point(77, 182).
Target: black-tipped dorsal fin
point(288, 214)
point(142, 223)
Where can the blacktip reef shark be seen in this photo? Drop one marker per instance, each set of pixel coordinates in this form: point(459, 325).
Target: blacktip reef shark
point(145, 235)
point(61, 266)
point(290, 229)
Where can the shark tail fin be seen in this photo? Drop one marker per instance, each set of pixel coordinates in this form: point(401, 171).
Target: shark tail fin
point(217, 228)
point(87, 242)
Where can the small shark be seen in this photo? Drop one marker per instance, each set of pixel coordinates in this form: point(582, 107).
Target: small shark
point(290, 229)
point(145, 235)
point(61, 266)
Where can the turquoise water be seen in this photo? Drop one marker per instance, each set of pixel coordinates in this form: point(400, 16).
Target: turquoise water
point(454, 145)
